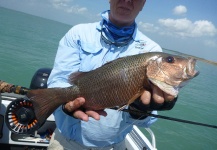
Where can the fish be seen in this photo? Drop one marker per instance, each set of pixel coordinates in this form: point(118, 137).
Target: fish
point(117, 83)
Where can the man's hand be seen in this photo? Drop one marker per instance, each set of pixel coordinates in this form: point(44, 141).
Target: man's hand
point(74, 106)
point(149, 101)
point(157, 96)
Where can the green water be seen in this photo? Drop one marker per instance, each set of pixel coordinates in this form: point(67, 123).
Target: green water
point(28, 43)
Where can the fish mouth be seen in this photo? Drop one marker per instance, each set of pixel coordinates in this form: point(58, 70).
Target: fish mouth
point(190, 71)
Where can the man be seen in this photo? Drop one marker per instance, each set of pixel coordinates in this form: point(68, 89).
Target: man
point(86, 47)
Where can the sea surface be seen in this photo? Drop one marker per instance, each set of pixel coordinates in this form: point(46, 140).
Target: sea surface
point(28, 43)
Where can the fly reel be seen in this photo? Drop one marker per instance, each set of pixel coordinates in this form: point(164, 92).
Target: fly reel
point(20, 117)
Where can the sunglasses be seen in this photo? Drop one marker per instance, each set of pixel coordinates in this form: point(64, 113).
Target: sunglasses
point(117, 44)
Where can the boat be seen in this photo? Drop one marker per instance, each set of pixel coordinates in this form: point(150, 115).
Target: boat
point(135, 140)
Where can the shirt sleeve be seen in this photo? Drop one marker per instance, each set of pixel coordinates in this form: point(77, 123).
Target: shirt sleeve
point(67, 61)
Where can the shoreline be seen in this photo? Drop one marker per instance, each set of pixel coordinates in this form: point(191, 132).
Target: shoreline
point(198, 58)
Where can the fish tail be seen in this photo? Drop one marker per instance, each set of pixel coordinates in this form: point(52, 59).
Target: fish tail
point(26, 115)
point(45, 101)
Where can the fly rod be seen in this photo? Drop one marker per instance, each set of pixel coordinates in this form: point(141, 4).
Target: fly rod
point(171, 118)
point(10, 88)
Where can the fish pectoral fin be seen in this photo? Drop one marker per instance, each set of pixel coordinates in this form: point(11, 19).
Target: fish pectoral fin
point(137, 95)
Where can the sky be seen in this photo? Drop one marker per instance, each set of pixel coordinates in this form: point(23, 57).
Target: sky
point(187, 26)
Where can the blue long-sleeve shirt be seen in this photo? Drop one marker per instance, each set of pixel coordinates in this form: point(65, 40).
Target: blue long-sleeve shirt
point(82, 49)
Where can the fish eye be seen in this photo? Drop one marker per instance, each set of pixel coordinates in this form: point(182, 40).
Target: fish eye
point(170, 59)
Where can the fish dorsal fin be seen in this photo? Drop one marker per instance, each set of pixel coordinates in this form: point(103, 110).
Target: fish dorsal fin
point(76, 75)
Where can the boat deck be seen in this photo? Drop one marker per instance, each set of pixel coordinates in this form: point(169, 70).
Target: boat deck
point(135, 140)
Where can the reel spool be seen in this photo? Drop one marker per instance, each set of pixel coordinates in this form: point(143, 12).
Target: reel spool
point(20, 117)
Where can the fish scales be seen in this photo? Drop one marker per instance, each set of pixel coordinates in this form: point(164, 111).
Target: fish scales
point(114, 84)
point(119, 82)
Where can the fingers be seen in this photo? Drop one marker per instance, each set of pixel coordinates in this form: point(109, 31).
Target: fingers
point(157, 99)
point(75, 104)
point(96, 114)
point(168, 97)
point(146, 97)
point(79, 114)
point(158, 96)
point(74, 107)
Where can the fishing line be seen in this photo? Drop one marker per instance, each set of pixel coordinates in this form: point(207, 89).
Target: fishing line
point(171, 118)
